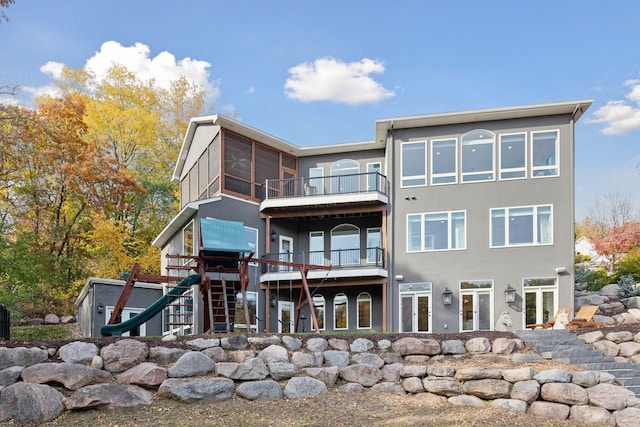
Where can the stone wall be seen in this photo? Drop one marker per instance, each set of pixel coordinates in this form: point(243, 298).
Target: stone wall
point(623, 345)
point(37, 385)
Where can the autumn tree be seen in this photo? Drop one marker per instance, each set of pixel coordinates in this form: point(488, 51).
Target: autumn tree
point(613, 227)
point(5, 4)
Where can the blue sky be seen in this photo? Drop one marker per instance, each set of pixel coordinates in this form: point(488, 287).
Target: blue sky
point(321, 72)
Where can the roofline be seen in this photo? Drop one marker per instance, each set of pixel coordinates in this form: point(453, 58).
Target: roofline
point(574, 108)
point(91, 281)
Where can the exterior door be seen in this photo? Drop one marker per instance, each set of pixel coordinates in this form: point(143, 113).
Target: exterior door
point(540, 305)
point(415, 312)
point(285, 317)
point(129, 313)
point(286, 251)
point(475, 310)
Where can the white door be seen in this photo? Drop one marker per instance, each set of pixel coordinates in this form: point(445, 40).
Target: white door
point(540, 304)
point(415, 312)
point(129, 313)
point(285, 317)
point(476, 311)
point(285, 251)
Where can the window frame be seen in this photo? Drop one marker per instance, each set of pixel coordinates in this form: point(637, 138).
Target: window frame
point(423, 236)
point(323, 306)
point(453, 174)
point(257, 314)
point(491, 172)
point(366, 298)
point(543, 168)
point(522, 169)
point(419, 177)
point(346, 312)
point(256, 233)
point(536, 234)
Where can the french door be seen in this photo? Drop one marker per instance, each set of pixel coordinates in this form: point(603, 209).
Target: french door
point(415, 311)
point(540, 302)
point(285, 317)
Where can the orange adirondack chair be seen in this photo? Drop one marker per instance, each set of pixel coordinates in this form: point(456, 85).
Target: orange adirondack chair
point(584, 317)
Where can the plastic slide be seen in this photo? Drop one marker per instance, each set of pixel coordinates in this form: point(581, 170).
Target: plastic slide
point(117, 329)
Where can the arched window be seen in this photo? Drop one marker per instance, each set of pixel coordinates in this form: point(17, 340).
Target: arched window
point(344, 176)
point(364, 311)
point(340, 312)
point(477, 156)
point(319, 308)
point(345, 245)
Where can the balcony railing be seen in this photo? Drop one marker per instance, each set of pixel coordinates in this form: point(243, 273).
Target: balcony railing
point(325, 185)
point(337, 259)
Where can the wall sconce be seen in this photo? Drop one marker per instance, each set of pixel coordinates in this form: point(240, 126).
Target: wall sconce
point(100, 308)
point(273, 300)
point(447, 296)
point(561, 270)
point(273, 235)
point(510, 295)
point(399, 277)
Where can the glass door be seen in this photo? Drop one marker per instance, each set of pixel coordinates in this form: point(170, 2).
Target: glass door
point(476, 307)
point(285, 252)
point(415, 311)
point(540, 300)
point(285, 317)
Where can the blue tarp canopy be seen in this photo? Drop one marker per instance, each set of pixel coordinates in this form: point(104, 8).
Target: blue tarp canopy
point(223, 236)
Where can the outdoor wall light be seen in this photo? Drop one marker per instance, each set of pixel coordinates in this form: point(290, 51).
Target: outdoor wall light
point(100, 308)
point(273, 300)
point(273, 235)
point(447, 296)
point(510, 295)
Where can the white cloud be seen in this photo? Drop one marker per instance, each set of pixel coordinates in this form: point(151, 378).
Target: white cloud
point(329, 79)
point(163, 67)
point(251, 90)
point(620, 116)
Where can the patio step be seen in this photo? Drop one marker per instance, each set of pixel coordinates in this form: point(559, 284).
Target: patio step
point(564, 347)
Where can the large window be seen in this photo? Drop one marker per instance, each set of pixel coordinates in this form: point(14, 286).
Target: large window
point(252, 306)
point(544, 149)
point(345, 245)
point(340, 312)
point(320, 310)
point(252, 240)
point(187, 240)
point(316, 247)
point(414, 164)
point(364, 311)
point(344, 176)
point(444, 162)
point(374, 180)
point(374, 246)
point(513, 162)
point(477, 156)
point(521, 226)
point(436, 231)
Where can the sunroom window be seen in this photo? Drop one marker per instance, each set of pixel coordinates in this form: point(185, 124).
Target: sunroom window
point(545, 153)
point(414, 164)
point(513, 164)
point(443, 162)
point(477, 156)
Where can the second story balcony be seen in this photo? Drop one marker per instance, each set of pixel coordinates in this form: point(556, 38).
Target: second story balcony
point(337, 190)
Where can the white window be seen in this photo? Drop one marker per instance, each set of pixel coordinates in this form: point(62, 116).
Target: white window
point(374, 180)
point(340, 312)
point(316, 181)
point(374, 246)
point(478, 156)
point(344, 176)
point(513, 161)
point(252, 306)
point(316, 247)
point(345, 245)
point(319, 307)
point(364, 311)
point(540, 300)
point(415, 307)
point(187, 239)
point(544, 148)
point(436, 231)
point(444, 162)
point(414, 164)
point(521, 226)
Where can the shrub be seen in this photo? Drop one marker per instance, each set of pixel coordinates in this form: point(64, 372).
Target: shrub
point(595, 279)
point(628, 287)
point(629, 266)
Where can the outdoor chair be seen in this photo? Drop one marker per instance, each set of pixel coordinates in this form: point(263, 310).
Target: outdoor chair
point(584, 318)
point(550, 323)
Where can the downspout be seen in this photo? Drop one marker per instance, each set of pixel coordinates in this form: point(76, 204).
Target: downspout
point(390, 289)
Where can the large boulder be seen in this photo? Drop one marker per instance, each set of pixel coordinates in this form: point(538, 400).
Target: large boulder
point(609, 396)
point(72, 375)
point(259, 390)
point(109, 396)
point(487, 388)
point(123, 354)
point(299, 387)
point(78, 352)
point(567, 393)
point(366, 375)
point(21, 356)
point(202, 389)
point(192, 364)
point(419, 346)
point(30, 403)
point(146, 374)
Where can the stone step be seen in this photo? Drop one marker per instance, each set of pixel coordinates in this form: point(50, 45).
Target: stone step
point(579, 360)
point(627, 382)
point(568, 351)
point(608, 366)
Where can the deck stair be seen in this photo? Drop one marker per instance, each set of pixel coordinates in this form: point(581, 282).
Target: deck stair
point(563, 346)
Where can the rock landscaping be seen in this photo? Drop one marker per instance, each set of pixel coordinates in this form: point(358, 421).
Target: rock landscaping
point(38, 384)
